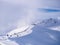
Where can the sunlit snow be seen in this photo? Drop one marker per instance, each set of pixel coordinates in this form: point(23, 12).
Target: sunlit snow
point(19, 32)
point(57, 28)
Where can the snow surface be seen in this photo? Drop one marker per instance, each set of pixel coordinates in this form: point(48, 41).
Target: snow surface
point(44, 35)
point(8, 42)
point(57, 28)
point(19, 32)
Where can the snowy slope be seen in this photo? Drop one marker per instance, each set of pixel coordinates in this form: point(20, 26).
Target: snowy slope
point(19, 32)
point(51, 23)
point(41, 35)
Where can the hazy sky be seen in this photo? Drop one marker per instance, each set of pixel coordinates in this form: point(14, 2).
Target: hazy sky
point(14, 13)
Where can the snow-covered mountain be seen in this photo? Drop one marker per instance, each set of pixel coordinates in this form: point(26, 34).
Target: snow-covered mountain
point(42, 33)
point(49, 22)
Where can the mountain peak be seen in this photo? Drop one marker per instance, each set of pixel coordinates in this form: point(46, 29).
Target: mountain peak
point(49, 22)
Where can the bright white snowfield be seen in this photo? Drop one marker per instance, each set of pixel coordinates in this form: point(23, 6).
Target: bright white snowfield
point(19, 32)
